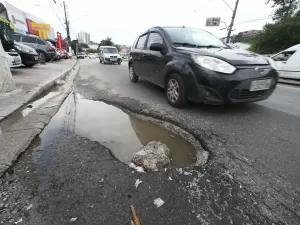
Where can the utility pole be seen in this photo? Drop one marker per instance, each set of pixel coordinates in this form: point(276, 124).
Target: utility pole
point(67, 26)
point(232, 21)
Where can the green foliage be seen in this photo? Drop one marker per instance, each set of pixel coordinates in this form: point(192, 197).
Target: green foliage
point(278, 36)
point(284, 8)
point(90, 50)
point(109, 42)
point(106, 42)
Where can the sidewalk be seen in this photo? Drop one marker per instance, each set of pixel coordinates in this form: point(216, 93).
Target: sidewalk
point(30, 83)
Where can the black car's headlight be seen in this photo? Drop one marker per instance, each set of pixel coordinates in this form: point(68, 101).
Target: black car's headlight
point(214, 64)
point(27, 50)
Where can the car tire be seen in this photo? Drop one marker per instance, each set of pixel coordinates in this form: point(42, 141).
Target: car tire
point(176, 91)
point(132, 75)
point(29, 65)
point(100, 60)
point(42, 56)
point(119, 63)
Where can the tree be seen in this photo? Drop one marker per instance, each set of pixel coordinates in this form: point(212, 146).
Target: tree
point(286, 8)
point(278, 36)
point(106, 42)
point(90, 50)
point(109, 42)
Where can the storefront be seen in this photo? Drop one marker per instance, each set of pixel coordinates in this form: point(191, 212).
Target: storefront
point(26, 23)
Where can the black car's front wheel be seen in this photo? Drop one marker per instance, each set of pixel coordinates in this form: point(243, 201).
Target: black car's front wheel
point(176, 91)
point(132, 75)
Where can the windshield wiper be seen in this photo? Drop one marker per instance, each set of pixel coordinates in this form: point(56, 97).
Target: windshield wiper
point(184, 44)
point(210, 46)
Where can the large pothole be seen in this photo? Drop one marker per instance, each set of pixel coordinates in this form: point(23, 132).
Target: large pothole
point(123, 132)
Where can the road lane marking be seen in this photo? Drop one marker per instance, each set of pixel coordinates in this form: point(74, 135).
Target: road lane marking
point(285, 86)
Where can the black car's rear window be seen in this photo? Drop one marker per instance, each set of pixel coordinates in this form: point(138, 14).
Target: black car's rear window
point(17, 38)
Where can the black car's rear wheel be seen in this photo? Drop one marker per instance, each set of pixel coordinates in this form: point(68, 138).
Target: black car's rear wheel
point(176, 91)
point(29, 65)
point(132, 75)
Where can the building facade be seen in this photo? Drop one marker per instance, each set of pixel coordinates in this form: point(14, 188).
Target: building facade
point(84, 38)
point(23, 22)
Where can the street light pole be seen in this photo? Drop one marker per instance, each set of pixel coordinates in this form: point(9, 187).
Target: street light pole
point(232, 21)
point(67, 26)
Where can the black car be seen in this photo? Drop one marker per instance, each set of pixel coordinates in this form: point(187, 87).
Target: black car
point(41, 46)
point(28, 55)
point(192, 64)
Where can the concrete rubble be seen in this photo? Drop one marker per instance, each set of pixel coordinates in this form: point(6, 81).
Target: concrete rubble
point(153, 156)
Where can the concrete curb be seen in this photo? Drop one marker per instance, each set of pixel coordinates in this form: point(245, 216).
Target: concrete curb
point(35, 92)
point(19, 136)
point(291, 82)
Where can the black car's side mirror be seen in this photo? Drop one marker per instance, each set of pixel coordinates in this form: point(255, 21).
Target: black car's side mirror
point(156, 47)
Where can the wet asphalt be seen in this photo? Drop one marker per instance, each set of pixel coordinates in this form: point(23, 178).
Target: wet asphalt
point(251, 178)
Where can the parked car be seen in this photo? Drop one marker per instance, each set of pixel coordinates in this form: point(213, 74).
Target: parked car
point(194, 64)
point(80, 55)
point(28, 55)
point(63, 53)
point(56, 55)
point(109, 54)
point(41, 46)
point(13, 58)
point(287, 62)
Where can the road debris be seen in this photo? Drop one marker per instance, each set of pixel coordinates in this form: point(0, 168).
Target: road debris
point(73, 219)
point(170, 178)
point(153, 156)
point(29, 207)
point(158, 202)
point(137, 168)
point(19, 221)
point(137, 183)
point(135, 220)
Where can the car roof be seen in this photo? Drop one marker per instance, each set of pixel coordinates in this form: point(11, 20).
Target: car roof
point(107, 47)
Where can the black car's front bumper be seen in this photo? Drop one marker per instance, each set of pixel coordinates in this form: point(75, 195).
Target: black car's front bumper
point(216, 88)
point(29, 58)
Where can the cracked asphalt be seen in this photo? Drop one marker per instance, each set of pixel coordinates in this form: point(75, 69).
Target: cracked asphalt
point(251, 178)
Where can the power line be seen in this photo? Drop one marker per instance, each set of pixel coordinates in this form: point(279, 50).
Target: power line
point(250, 21)
point(56, 14)
point(227, 5)
point(203, 5)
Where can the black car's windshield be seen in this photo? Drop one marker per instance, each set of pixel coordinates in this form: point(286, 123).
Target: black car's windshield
point(190, 37)
point(110, 50)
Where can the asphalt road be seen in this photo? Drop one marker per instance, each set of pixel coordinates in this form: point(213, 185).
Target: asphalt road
point(258, 142)
point(251, 177)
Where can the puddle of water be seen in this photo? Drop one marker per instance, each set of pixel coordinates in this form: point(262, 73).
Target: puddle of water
point(123, 134)
point(23, 112)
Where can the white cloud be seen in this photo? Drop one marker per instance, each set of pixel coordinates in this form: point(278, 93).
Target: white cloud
point(124, 20)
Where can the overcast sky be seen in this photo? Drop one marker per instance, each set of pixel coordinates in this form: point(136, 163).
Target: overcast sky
point(124, 20)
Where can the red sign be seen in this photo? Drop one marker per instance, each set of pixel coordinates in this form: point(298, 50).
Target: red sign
point(30, 30)
point(59, 41)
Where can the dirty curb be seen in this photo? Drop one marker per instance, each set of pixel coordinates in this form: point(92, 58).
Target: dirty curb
point(18, 137)
point(35, 92)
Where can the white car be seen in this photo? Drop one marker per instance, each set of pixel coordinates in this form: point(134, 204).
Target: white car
point(13, 58)
point(109, 54)
point(287, 63)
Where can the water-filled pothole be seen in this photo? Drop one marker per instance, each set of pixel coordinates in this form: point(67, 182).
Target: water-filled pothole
point(122, 133)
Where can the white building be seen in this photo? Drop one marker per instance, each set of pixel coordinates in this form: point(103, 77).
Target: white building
point(84, 38)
